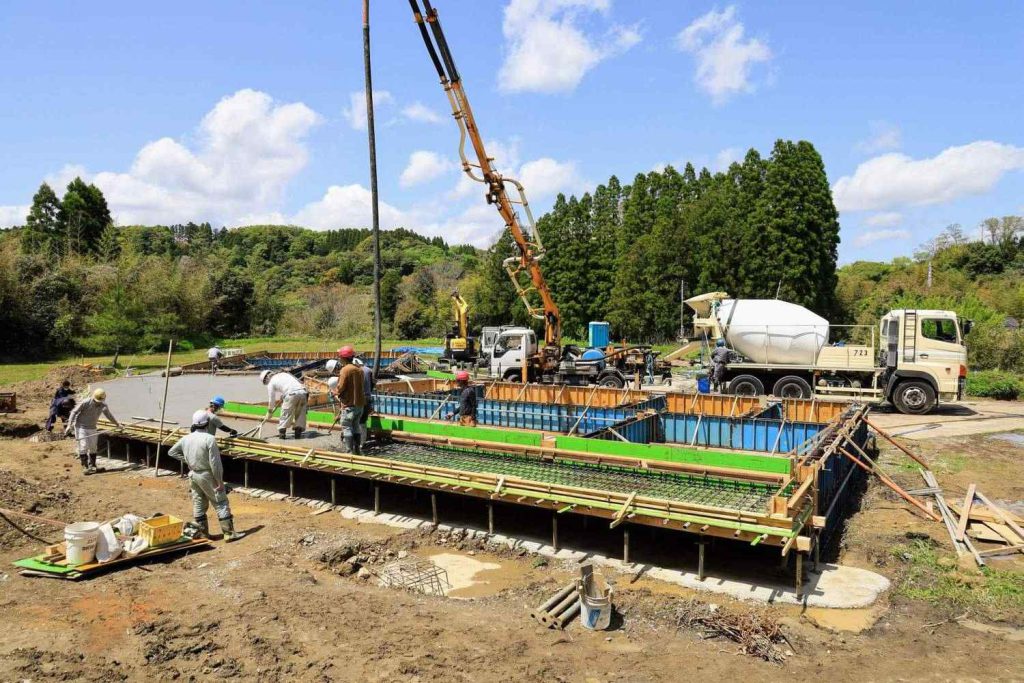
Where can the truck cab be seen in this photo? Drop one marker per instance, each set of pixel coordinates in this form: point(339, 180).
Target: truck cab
point(924, 358)
point(513, 347)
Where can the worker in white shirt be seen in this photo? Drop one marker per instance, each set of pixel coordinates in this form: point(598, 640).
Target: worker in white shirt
point(214, 355)
point(82, 422)
point(285, 390)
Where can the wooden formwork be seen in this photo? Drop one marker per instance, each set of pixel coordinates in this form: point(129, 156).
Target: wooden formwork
point(727, 405)
point(598, 397)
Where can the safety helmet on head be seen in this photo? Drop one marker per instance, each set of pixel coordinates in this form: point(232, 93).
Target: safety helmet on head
point(218, 401)
point(99, 395)
point(346, 352)
point(461, 376)
point(265, 376)
point(720, 342)
point(200, 418)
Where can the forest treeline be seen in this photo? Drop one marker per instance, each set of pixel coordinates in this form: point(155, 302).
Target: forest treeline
point(72, 282)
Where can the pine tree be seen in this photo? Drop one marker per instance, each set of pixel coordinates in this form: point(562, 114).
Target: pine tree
point(83, 217)
point(42, 227)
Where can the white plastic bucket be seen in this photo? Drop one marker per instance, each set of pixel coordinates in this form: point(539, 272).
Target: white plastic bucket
point(80, 539)
point(595, 603)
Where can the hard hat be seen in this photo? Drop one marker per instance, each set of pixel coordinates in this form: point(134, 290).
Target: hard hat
point(346, 352)
point(200, 418)
point(99, 395)
point(265, 375)
point(331, 366)
point(332, 383)
point(461, 376)
point(720, 342)
point(217, 401)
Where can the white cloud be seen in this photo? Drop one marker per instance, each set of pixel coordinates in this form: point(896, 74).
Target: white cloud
point(423, 167)
point(348, 206)
point(355, 113)
point(13, 215)
point(724, 57)
point(888, 219)
point(885, 137)
point(872, 236)
point(895, 180)
point(725, 158)
point(547, 50)
point(545, 177)
point(417, 111)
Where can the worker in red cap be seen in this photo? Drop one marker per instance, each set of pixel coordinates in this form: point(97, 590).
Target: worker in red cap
point(467, 400)
point(352, 399)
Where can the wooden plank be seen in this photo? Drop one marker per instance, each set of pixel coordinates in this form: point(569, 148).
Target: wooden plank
point(983, 533)
point(999, 512)
point(966, 514)
point(981, 513)
point(1001, 551)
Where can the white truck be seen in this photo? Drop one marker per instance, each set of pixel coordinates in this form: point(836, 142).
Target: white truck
point(515, 350)
point(783, 349)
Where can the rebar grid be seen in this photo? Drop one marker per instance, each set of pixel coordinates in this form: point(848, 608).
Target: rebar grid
point(712, 491)
point(419, 576)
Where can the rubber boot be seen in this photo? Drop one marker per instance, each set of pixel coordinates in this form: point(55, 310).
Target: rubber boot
point(348, 444)
point(204, 527)
point(282, 434)
point(84, 460)
point(92, 464)
point(298, 432)
point(227, 526)
point(356, 444)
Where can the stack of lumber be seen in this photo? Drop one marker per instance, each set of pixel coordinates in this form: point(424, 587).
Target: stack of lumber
point(983, 520)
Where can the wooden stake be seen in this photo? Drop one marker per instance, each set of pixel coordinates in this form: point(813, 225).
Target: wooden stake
point(799, 576)
point(891, 484)
point(163, 408)
point(966, 513)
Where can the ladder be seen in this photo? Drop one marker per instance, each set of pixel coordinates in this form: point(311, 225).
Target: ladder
point(909, 336)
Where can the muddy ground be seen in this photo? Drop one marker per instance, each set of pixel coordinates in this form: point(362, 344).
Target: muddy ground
point(287, 602)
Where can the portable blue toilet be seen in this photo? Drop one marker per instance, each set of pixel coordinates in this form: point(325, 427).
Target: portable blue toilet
point(600, 334)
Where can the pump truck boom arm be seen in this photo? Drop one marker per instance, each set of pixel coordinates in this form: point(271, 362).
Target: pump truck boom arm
point(527, 240)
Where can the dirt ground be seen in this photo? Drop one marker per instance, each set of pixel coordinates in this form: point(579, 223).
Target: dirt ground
point(286, 602)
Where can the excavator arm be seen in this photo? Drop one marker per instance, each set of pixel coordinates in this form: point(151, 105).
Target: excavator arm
point(461, 310)
point(526, 238)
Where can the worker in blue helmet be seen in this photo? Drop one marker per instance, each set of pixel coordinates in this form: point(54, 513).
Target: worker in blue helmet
point(719, 364)
point(215, 423)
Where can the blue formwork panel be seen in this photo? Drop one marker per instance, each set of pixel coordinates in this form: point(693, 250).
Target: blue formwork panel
point(835, 499)
point(742, 433)
point(644, 429)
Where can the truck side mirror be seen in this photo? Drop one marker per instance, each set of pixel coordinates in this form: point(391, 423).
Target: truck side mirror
point(966, 326)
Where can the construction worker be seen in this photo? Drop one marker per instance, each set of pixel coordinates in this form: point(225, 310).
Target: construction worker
point(215, 423)
point(82, 422)
point(61, 405)
point(199, 451)
point(284, 390)
point(467, 400)
point(368, 385)
point(719, 364)
point(214, 355)
point(352, 399)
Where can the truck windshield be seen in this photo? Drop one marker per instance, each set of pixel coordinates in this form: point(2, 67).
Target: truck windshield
point(939, 329)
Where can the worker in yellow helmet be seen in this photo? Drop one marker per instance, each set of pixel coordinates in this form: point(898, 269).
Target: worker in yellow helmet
point(82, 423)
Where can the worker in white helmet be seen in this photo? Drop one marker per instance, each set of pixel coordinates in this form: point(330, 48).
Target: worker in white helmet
point(199, 451)
point(214, 355)
point(82, 423)
point(284, 390)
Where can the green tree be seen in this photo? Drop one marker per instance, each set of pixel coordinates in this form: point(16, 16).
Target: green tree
point(83, 217)
point(42, 227)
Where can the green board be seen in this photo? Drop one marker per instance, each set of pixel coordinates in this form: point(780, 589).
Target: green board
point(437, 374)
point(36, 564)
point(750, 462)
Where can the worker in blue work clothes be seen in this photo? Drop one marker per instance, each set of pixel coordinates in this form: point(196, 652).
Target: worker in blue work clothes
point(199, 451)
point(214, 423)
point(368, 384)
point(466, 413)
point(61, 405)
point(719, 364)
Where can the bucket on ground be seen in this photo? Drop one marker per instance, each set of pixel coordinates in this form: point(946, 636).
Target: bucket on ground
point(703, 385)
point(80, 540)
point(595, 599)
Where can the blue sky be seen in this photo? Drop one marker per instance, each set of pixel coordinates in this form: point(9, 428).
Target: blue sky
point(241, 112)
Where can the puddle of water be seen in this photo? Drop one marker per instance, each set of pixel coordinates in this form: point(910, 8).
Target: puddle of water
point(1015, 635)
point(472, 577)
point(1015, 439)
point(849, 620)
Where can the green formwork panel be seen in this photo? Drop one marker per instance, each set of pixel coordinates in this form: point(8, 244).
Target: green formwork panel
point(737, 461)
point(437, 374)
point(402, 425)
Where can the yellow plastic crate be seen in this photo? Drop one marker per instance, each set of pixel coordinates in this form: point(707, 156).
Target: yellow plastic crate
point(161, 530)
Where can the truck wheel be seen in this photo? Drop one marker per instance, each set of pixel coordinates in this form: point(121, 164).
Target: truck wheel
point(610, 381)
point(514, 377)
point(914, 397)
point(746, 385)
point(792, 386)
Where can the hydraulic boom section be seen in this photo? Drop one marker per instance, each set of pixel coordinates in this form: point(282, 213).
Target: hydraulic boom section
point(527, 240)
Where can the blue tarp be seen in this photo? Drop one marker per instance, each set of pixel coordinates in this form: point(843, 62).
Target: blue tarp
point(426, 350)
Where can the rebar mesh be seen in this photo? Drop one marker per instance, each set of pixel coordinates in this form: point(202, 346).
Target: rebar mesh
point(419, 576)
point(717, 492)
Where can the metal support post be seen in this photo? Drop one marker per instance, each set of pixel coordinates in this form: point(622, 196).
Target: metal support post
point(108, 449)
point(245, 476)
point(625, 545)
point(433, 506)
point(554, 531)
point(376, 499)
point(147, 453)
point(490, 519)
point(291, 482)
point(817, 550)
point(127, 452)
point(701, 546)
point(799, 576)
point(334, 491)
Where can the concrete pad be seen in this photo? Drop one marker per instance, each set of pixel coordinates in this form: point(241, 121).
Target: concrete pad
point(962, 419)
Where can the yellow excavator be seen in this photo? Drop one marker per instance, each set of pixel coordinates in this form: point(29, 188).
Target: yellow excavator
point(459, 347)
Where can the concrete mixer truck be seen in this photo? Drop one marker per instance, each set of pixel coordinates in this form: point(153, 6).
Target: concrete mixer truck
point(914, 358)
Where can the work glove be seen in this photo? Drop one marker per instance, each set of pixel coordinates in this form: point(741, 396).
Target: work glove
point(233, 432)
